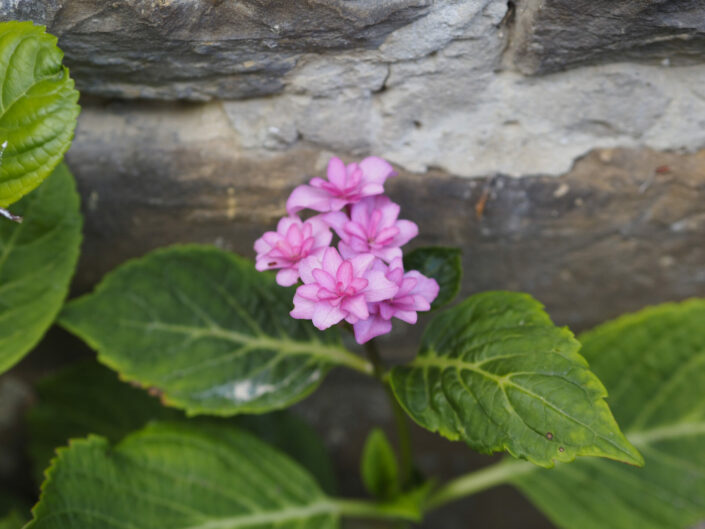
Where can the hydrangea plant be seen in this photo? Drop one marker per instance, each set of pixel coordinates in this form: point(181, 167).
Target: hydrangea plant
point(196, 330)
point(362, 281)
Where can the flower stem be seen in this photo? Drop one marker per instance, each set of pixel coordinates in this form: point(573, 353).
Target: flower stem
point(373, 510)
point(478, 481)
point(402, 424)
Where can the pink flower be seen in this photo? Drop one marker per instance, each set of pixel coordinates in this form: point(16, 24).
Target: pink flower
point(335, 289)
point(416, 293)
point(345, 185)
point(293, 241)
point(372, 228)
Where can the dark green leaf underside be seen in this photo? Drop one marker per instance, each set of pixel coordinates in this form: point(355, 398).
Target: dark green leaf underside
point(88, 398)
point(13, 512)
point(443, 265)
point(12, 520)
point(206, 330)
point(181, 477)
point(37, 261)
point(82, 399)
point(653, 364)
point(495, 372)
point(38, 108)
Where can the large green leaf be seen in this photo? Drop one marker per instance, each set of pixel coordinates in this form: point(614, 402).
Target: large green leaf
point(202, 326)
point(37, 260)
point(38, 108)
point(180, 476)
point(653, 363)
point(495, 372)
point(88, 398)
point(442, 264)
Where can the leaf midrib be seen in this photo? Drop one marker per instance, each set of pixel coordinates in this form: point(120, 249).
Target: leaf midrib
point(286, 514)
point(282, 515)
point(505, 380)
point(337, 355)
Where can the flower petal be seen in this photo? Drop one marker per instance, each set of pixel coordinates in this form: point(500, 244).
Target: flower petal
point(264, 262)
point(336, 172)
point(346, 251)
point(306, 268)
point(326, 315)
point(389, 210)
point(407, 231)
point(409, 316)
point(373, 326)
point(361, 263)
point(425, 286)
point(337, 221)
point(262, 246)
point(285, 223)
point(376, 170)
point(357, 306)
point(287, 277)
point(308, 292)
point(294, 236)
point(331, 261)
point(303, 308)
point(304, 197)
point(388, 254)
point(380, 288)
point(336, 204)
point(345, 273)
point(371, 189)
point(324, 279)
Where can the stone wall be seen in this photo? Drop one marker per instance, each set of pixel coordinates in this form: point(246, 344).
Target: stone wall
point(199, 116)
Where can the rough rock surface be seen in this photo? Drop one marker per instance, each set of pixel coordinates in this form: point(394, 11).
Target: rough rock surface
point(425, 84)
point(204, 48)
point(553, 35)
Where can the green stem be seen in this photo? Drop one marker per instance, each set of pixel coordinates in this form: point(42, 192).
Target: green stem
point(477, 481)
point(374, 510)
point(402, 424)
point(355, 362)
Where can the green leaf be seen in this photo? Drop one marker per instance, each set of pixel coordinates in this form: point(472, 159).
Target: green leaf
point(290, 434)
point(442, 264)
point(88, 398)
point(653, 363)
point(495, 372)
point(38, 108)
point(378, 467)
point(181, 477)
point(209, 332)
point(37, 261)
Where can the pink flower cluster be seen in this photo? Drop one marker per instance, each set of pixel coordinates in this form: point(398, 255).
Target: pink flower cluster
point(362, 281)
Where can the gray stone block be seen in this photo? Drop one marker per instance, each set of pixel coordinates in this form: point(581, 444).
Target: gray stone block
point(204, 48)
point(553, 35)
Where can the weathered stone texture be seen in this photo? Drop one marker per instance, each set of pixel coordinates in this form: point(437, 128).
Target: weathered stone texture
point(425, 84)
point(553, 35)
point(204, 48)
